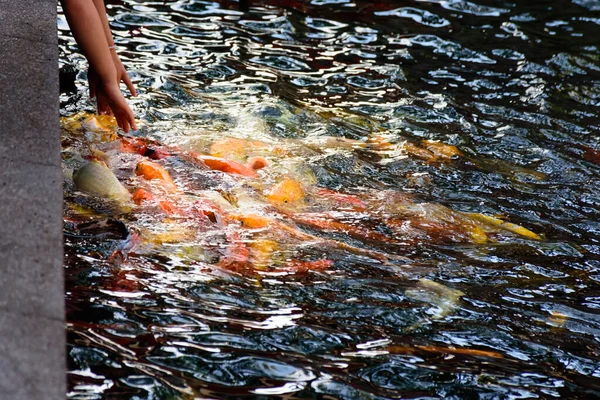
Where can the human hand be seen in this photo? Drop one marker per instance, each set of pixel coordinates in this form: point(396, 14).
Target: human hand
point(110, 98)
point(121, 76)
point(93, 83)
point(122, 73)
point(93, 80)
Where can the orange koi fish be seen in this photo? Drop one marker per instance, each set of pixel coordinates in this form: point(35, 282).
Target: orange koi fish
point(344, 200)
point(141, 195)
point(298, 266)
point(442, 350)
point(252, 221)
point(435, 231)
point(256, 163)
point(329, 223)
point(151, 149)
point(207, 209)
point(236, 255)
point(286, 192)
point(154, 171)
point(144, 147)
point(234, 148)
point(227, 166)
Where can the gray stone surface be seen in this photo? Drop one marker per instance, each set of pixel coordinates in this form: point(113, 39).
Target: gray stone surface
point(28, 19)
point(27, 88)
point(28, 372)
point(32, 328)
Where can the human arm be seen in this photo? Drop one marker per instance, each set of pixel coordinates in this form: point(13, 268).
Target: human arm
point(121, 71)
point(88, 31)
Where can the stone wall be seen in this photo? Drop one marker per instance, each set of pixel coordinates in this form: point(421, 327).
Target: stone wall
point(32, 327)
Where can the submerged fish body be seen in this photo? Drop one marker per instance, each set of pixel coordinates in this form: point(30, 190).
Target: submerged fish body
point(96, 178)
point(100, 123)
point(497, 223)
point(444, 299)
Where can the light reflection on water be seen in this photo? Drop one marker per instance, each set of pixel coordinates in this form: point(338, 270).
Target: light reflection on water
point(514, 86)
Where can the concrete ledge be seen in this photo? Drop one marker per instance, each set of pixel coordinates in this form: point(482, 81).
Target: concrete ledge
point(32, 328)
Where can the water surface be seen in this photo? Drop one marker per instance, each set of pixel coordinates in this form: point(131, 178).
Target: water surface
point(514, 85)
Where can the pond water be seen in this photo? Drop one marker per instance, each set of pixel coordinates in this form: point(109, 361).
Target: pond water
point(515, 86)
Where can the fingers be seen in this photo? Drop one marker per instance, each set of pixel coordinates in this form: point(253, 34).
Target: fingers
point(122, 118)
point(123, 123)
point(110, 98)
point(92, 80)
point(129, 121)
point(132, 122)
point(102, 104)
point(92, 85)
point(129, 85)
point(125, 119)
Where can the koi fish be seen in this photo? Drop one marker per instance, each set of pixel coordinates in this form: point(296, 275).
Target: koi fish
point(256, 163)
point(228, 166)
point(384, 217)
point(498, 223)
point(236, 254)
point(444, 299)
point(442, 150)
point(145, 147)
point(327, 223)
point(154, 171)
point(436, 231)
point(236, 149)
point(95, 177)
point(288, 191)
point(342, 200)
point(298, 266)
point(442, 350)
point(141, 195)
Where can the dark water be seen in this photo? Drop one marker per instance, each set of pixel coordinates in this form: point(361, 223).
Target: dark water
point(514, 85)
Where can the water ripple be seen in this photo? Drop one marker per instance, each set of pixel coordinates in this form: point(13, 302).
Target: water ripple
point(513, 86)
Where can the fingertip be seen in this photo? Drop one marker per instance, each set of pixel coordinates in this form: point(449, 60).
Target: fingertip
point(131, 120)
point(129, 85)
point(124, 124)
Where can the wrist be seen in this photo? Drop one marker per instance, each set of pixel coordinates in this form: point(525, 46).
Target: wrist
point(108, 78)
